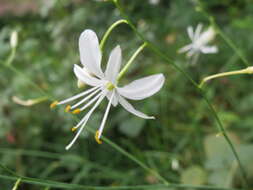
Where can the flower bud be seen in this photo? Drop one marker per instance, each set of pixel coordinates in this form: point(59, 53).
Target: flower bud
point(14, 39)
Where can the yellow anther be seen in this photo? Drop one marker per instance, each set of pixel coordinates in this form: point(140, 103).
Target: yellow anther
point(53, 104)
point(76, 111)
point(97, 138)
point(73, 129)
point(110, 86)
point(67, 108)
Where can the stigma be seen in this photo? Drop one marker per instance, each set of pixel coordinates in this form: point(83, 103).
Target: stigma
point(110, 86)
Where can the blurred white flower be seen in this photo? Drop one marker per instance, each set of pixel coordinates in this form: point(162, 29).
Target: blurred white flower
point(105, 84)
point(199, 41)
point(154, 2)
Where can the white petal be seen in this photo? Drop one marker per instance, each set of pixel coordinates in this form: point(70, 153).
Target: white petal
point(114, 100)
point(105, 116)
point(125, 104)
point(197, 32)
point(190, 32)
point(185, 48)
point(90, 54)
point(209, 49)
point(206, 37)
point(84, 121)
point(86, 78)
point(142, 88)
point(113, 65)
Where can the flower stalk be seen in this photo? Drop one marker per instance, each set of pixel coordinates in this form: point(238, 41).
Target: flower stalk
point(108, 32)
point(126, 67)
point(15, 187)
point(248, 70)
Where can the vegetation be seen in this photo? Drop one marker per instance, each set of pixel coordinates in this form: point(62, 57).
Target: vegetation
point(198, 132)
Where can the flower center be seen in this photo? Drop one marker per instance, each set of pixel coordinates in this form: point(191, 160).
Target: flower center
point(110, 86)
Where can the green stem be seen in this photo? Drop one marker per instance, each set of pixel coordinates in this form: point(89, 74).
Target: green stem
point(131, 157)
point(16, 184)
point(123, 71)
point(56, 184)
point(11, 57)
point(242, 71)
point(156, 50)
point(108, 32)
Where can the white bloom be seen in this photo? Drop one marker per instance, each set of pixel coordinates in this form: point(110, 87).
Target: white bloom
point(104, 84)
point(199, 41)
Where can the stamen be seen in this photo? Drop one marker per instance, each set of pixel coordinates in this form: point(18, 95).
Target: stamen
point(54, 104)
point(76, 111)
point(67, 108)
point(85, 99)
point(90, 102)
point(105, 116)
point(78, 95)
point(85, 120)
point(97, 138)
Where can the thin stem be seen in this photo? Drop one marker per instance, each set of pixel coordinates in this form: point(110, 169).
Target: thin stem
point(222, 34)
point(11, 57)
point(56, 184)
point(156, 50)
point(242, 71)
point(126, 67)
point(16, 184)
point(108, 32)
point(131, 157)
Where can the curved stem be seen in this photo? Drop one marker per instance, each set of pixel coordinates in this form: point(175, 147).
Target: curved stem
point(123, 71)
point(156, 50)
point(242, 71)
point(108, 32)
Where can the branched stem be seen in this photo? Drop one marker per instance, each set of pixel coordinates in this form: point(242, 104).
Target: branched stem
point(157, 50)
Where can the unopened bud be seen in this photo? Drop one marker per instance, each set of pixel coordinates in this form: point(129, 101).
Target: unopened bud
point(250, 70)
point(14, 39)
point(80, 84)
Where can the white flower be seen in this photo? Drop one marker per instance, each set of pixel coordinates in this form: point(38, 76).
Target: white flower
point(104, 84)
point(199, 41)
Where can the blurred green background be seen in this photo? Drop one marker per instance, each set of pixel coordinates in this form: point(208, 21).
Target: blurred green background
point(181, 144)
